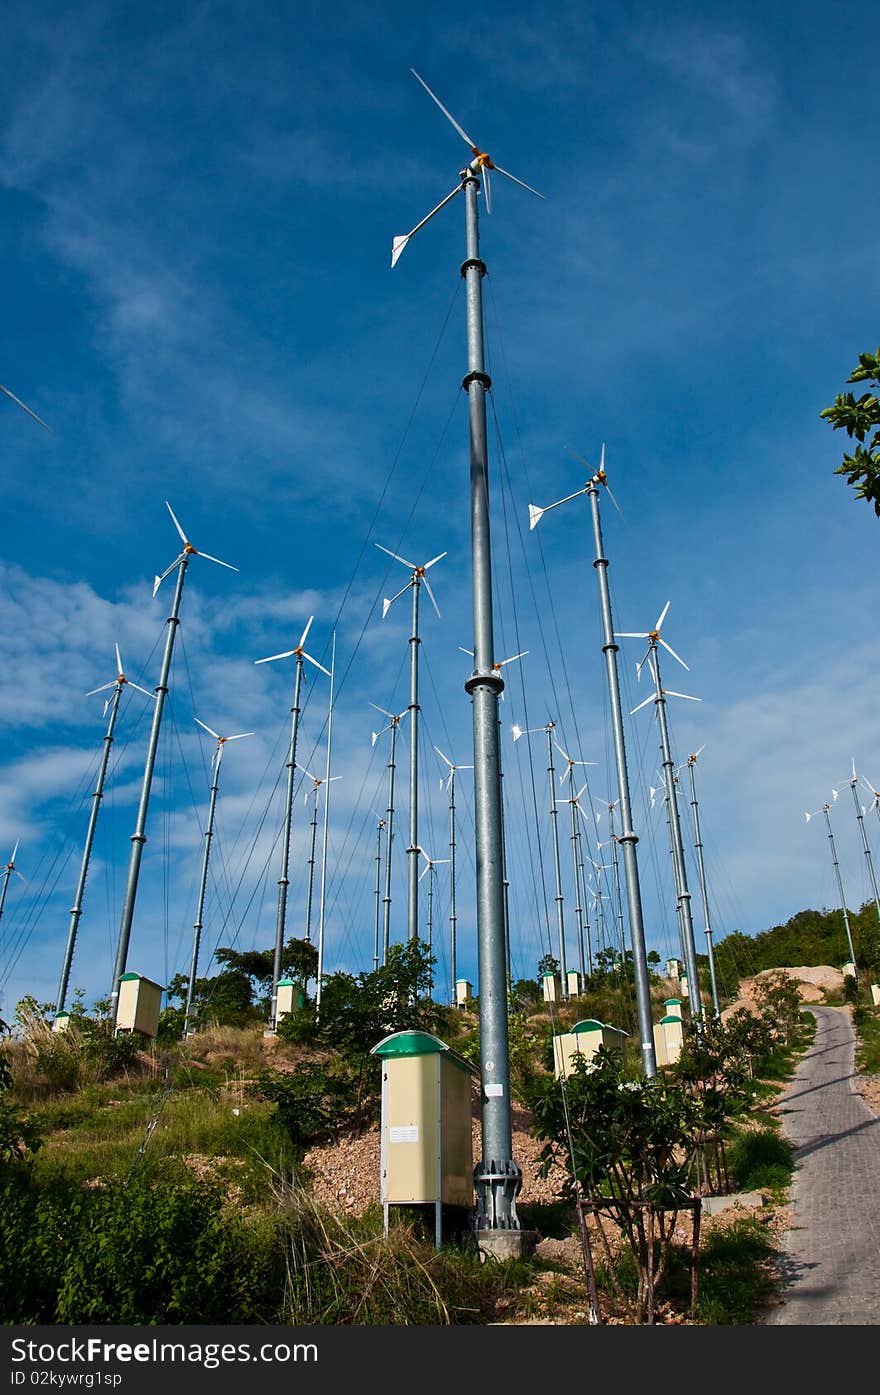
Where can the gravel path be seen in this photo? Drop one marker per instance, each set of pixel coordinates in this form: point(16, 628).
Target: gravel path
point(832, 1251)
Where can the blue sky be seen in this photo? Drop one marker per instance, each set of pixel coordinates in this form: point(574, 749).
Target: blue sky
point(197, 210)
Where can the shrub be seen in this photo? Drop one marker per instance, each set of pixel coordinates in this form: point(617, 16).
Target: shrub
point(316, 1101)
point(761, 1159)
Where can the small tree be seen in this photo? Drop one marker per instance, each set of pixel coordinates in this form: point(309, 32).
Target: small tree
point(859, 417)
point(627, 1144)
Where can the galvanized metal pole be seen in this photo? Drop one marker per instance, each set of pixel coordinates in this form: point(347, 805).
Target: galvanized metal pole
point(497, 1178)
point(678, 862)
point(326, 828)
point(615, 863)
point(628, 838)
point(698, 844)
point(6, 875)
point(203, 884)
point(849, 940)
point(284, 880)
point(76, 908)
point(377, 930)
point(139, 837)
point(412, 851)
point(578, 908)
point(389, 841)
point(560, 911)
point(865, 846)
point(313, 838)
point(452, 915)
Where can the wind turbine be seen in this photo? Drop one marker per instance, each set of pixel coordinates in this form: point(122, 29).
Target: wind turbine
point(574, 806)
point(615, 868)
point(450, 786)
point(497, 1178)
point(139, 837)
point(17, 400)
point(628, 837)
point(203, 879)
point(317, 782)
point(826, 810)
point(380, 829)
point(698, 845)
point(300, 655)
point(861, 820)
point(119, 682)
point(326, 828)
point(428, 871)
point(683, 896)
point(7, 873)
point(414, 584)
point(548, 730)
point(394, 720)
point(580, 878)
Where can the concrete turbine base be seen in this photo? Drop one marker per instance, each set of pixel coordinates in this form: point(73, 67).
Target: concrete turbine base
point(505, 1244)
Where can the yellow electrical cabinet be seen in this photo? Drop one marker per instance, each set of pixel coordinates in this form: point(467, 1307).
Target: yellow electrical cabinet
point(848, 969)
point(584, 1040)
point(427, 1145)
point(550, 988)
point(464, 991)
point(875, 994)
point(668, 1040)
point(573, 983)
point(290, 998)
point(137, 1008)
point(61, 1022)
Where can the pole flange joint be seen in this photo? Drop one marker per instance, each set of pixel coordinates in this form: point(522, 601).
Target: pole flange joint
point(490, 680)
point(471, 263)
point(476, 377)
point(497, 1185)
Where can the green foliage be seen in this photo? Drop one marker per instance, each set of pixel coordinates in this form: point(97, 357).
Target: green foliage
point(316, 1101)
point(810, 937)
point(547, 965)
point(358, 1011)
point(19, 1135)
point(145, 1253)
point(779, 1003)
point(850, 989)
point(859, 417)
point(736, 1276)
point(632, 1142)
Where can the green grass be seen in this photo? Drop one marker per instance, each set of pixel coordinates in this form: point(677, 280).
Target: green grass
point(736, 1277)
point(760, 1160)
point(867, 1024)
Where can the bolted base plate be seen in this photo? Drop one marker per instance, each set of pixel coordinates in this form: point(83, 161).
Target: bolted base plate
point(505, 1244)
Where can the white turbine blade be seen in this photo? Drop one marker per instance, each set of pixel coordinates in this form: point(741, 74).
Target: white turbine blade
point(466, 651)
point(317, 665)
point(807, 816)
point(449, 117)
point(634, 710)
point(14, 851)
point(387, 604)
point(513, 658)
point(305, 634)
point(446, 758)
point(431, 594)
point(374, 736)
point(145, 691)
point(208, 558)
point(583, 787)
point(630, 634)
point(412, 565)
point(157, 582)
point(439, 557)
point(288, 653)
point(397, 246)
point(535, 516)
point(19, 403)
point(520, 182)
point(854, 775)
point(119, 668)
point(486, 189)
point(426, 870)
point(103, 688)
point(653, 793)
point(835, 793)
point(516, 731)
point(564, 754)
point(383, 710)
point(700, 751)
point(308, 773)
point(672, 652)
point(104, 708)
point(210, 730)
point(176, 523)
point(612, 498)
point(663, 615)
point(240, 734)
point(667, 692)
